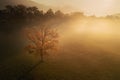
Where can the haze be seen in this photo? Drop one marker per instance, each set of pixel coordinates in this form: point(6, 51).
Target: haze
point(39, 43)
point(89, 7)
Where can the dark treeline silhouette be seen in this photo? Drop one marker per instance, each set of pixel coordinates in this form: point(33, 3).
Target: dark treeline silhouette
point(15, 17)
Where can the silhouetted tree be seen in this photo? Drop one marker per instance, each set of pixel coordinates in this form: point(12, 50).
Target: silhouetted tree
point(59, 13)
point(49, 13)
point(32, 10)
point(9, 9)
point(26, 16)
point(18, 11)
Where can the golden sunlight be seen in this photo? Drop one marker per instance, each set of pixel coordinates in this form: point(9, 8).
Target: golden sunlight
point(97, 7)
point(60, 39)
point(101, 27)
point(89, 7)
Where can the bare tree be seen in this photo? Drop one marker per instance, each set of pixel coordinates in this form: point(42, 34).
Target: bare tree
point(41, 40)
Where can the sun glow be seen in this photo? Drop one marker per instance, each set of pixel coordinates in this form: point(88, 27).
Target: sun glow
point(98, 7)
point(100, 28)
point(89, 7)
point(93, 27)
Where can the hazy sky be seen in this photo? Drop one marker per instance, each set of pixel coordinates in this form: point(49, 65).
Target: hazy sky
point(90, 7)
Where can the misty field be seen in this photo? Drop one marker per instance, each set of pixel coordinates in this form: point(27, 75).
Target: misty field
point(88, 46)
point(80, 57)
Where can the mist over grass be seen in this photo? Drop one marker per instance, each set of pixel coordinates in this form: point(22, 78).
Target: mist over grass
point(88, 46)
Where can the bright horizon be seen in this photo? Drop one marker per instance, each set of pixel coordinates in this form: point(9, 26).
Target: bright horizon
point(89, 7)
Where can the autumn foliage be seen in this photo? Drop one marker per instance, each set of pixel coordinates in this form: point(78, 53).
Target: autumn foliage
point(41, 40)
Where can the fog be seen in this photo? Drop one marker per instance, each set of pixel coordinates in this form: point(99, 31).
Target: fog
point(87, 49)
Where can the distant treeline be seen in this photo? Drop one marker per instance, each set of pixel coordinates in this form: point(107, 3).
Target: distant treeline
point(14, 17)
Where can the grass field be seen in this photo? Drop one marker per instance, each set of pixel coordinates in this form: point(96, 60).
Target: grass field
point(78, 59)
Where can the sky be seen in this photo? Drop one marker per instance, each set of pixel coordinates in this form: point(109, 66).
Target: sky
point(89, 7)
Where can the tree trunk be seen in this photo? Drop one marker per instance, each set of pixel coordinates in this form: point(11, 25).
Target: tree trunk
point(42, 56)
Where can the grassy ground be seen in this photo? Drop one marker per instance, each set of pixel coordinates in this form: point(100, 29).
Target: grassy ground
point(77, 60)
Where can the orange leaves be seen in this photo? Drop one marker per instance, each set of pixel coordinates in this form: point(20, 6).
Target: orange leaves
point(42, 38)
point(30, 48)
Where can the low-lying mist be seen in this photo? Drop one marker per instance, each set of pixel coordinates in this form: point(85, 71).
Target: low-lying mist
point(88, 46)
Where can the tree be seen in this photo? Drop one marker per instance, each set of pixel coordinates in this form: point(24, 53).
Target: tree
point(49, 13)
point(9, 9)
point(18, 11)
point(32, 10)
point(41, 40)
point(59, 13)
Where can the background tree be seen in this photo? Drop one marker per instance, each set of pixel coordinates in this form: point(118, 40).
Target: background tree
point(49, 14)
point(59, 13)
point(41, 40)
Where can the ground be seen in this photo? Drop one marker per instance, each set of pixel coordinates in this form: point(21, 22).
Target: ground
point(78, 59)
